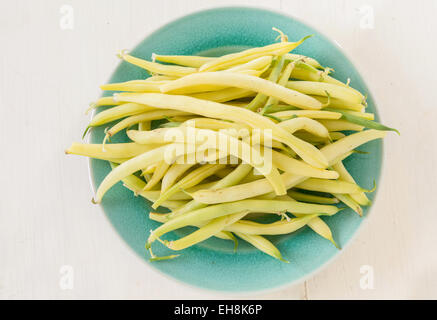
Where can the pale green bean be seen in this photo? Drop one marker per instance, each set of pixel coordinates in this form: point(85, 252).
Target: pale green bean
point(215, 211)
point(275, 228)
point(207, 231)
point(262, 244)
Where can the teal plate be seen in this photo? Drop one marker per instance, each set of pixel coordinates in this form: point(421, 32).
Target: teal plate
point(213, 264)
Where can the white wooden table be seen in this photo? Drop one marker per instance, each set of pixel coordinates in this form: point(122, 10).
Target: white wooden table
point(50, 69)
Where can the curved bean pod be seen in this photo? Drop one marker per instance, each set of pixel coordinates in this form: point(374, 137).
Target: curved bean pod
point(113, 150)
point(275, 228)
point(215, 211)
point(188, 181)
point(187, 61)
point(154, 67)
point(333, 152)
point(311, 114)
point(229, 60)
point(360, 197)
point(262, 244)
point(321, 88)
point(207, 231)
point(306, 151)
point(306, 124)
point(329, 186)
point(248, 82)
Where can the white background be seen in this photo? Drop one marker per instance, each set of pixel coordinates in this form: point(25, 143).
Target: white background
point(49, 75)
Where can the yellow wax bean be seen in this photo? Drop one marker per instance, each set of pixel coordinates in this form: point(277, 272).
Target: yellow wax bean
point(118, 112)
point(317, 75)
point(219, 210)
point(226, 235)
point(309, 125)
point(351, 203)
point(159, 172)
point(282, 82)
point(364, 115)
point(233, 178)
point(174, 172)
point(340, 125)
point(158, 68)
point(144, 126)
point(336, 135)
point(321, 88)
point(349, 143)
point(237, 104)
point(274, 74)
point(160, 78)
point(173, 204)
point(339, 104)
point(312, 62)
point(187, 61)
point(203, 88)
point(256, 64)
point(321, 228)
point(288, 164)
point(333, 152)
point(115, 160)
point(262, 244)
point(214, 124)
point(252, 176)
point(275, 228)
point(104, 101)
point(304, 71)
point(156, 136)
point(198, 61)
point(306, 151)
point(129, 167)
point(136, 185)
point(147, 116)
point(317, 140)
point(180, 119)
point(162, 217)
point(224, 172)
point(329, 186)
point(153, 195)
point(205, 232)
point(231, 146)
point(305, 197)
point(113, 150)
point(360, 197)
point(190, 180)
point(224, 95)
point(312, 114)
point(317, 224)
point(247, 82)
point(150, 169)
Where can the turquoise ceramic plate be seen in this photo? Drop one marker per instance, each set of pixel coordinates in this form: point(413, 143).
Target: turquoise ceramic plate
point(213, 264)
